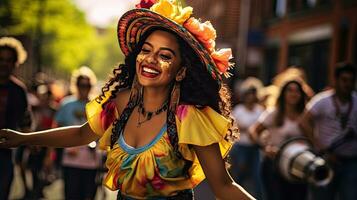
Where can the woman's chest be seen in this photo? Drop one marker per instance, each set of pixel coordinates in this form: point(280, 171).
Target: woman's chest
point(138, 133)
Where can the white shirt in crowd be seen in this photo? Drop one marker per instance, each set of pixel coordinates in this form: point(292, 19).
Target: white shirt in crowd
point(327, 124)
point(277, 135)
point(245, 118)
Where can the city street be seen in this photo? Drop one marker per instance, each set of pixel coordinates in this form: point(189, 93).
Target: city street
point(53, 191)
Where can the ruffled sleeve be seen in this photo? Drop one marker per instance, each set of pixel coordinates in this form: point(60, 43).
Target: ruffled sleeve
point(101, 115)
point(200, 127)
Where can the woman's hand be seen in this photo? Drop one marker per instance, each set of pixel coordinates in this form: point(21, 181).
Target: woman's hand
point(220, 181)
point(10, 138)
point(271, 151)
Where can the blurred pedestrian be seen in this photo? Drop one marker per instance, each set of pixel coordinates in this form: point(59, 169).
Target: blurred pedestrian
point(14, 109)
point(274, 127)
point(79, 164)
point(330, 122)
point(245, 155)
point(43, 117)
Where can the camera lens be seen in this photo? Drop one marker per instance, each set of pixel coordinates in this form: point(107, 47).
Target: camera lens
point(321, 173)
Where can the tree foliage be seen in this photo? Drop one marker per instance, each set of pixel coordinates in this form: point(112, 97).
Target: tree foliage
point(67, 41)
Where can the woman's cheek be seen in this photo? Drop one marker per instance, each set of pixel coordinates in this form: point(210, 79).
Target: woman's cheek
point(140, 58)
point(164, 65)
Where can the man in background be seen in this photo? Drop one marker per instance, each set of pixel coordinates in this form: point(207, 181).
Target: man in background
point(330, 122)
point(14, 110)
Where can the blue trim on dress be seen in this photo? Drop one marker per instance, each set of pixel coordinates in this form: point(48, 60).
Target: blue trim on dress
point(131, 150)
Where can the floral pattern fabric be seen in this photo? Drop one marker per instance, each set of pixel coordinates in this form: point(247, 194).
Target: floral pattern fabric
point(155, 170)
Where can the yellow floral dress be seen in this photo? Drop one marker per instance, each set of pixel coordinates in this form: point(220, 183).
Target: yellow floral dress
point(154, 170)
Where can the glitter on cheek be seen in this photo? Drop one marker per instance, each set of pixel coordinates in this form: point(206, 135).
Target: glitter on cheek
point(140, 58)
point(164, 65)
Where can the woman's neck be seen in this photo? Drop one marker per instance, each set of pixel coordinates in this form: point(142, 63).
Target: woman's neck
point(290, 110)
point(154, 98)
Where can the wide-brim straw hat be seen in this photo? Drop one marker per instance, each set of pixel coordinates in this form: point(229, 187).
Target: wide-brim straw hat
point(134, 23)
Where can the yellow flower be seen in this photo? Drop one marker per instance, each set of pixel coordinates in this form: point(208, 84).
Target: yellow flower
point(172, 10)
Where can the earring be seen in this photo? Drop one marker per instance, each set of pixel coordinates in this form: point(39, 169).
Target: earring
point(175, 96)
point(181, 74)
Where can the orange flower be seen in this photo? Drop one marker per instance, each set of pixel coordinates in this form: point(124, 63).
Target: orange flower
point(204, 32)
point(221, 58)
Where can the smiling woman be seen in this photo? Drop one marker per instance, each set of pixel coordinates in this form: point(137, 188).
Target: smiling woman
point(164, 115)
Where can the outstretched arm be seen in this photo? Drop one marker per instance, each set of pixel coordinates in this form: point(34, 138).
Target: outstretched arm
point(58, 137)
point(218, 178)
point(255, 132)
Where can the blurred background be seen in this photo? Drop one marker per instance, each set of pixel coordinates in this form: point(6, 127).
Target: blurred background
point(267, 37)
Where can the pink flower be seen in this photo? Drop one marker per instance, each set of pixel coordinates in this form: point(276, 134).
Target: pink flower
point(145, 4)
point(157, 183)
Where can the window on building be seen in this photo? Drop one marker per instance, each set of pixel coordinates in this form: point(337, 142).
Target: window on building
point(344, 30)
point(296, 6)
point(270, 64)
point(314, 61)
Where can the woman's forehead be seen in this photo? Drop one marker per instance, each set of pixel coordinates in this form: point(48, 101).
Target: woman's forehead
point(161, 38)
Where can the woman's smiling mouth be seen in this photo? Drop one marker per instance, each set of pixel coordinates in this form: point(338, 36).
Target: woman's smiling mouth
point(149, 72)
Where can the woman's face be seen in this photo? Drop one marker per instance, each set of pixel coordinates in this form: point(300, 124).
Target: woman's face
point(159, 60)
point(292, 94)
point(84, 87)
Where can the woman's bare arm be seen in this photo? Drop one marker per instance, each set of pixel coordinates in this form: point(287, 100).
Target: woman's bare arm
point(255, 132)
point(218, 178)
point(58, 137)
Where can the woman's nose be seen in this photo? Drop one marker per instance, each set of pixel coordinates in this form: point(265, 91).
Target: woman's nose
point(152, 58)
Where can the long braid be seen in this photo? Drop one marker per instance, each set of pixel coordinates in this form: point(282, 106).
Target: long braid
point(120, 79)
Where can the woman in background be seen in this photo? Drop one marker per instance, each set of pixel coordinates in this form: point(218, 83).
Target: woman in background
point(275, 126)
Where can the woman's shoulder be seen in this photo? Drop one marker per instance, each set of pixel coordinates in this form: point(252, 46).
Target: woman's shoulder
point(122, 99)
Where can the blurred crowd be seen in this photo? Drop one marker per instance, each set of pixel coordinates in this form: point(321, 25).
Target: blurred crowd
point(36, 109)
point(270, 117)
point(267, 116)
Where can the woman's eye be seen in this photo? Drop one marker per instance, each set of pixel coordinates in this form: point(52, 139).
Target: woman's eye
point(145, 51)
point(165, 57)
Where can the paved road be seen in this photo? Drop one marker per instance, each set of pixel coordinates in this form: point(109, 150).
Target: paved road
point(53, 191)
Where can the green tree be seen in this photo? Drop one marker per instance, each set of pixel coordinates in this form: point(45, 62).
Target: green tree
point(67, 41)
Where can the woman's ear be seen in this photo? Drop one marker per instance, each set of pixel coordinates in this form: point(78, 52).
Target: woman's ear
point(180, 74)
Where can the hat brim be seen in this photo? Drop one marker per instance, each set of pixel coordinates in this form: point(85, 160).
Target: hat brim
point(134, 23)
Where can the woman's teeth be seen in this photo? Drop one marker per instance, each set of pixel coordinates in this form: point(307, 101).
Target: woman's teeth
point(149, 70)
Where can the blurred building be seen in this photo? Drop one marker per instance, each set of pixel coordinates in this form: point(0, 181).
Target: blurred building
point(270, 35)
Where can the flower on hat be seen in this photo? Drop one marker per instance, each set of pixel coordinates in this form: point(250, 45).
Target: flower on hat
point(221, 58)
point(145, 4)
point(172, 10)
point(204, 32)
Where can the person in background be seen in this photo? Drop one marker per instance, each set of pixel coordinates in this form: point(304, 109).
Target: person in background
point(275, 126)
point(79, 164)
point(38, 163)
point(245, 155)
point(330, 122)
point(14, 109)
